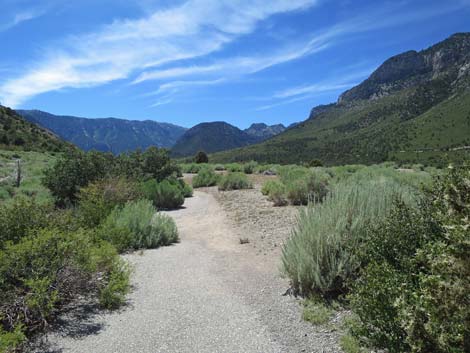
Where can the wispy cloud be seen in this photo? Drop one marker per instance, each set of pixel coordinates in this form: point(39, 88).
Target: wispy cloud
point(391, 16)
point(192, 29)
point(21, 17)
point(338, 82)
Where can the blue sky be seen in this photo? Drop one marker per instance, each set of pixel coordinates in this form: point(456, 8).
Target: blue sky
point(189, 61)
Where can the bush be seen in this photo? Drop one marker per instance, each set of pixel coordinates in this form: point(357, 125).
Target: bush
point(234, 167)
point(219, 167)
point(20, 217)
point(192, 168)
point(47, 269)
point(412, 294)
point(276, 192)
point(304, 185)
point(185, 188)
point(99, 198)
point(319, 257)
point(205, 177)
point(201, 157)
point(250, 167)
point(73, 171)
point(164, 195)
point(234, 181)
point(138, 226)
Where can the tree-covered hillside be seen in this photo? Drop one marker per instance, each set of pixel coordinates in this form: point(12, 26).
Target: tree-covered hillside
point(18, 134)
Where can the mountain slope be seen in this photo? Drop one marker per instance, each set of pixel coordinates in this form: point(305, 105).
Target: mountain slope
point(110, 134)
point(413, 108)
point(18, 134)
point(211, 137)
point(263, 131)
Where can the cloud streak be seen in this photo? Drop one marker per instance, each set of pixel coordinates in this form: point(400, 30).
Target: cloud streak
point(192, 29)
point(21, 17)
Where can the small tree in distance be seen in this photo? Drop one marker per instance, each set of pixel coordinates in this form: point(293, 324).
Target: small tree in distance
point(201, 157)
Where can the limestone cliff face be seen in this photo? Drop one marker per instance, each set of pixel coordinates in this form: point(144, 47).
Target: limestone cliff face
point(448, 61)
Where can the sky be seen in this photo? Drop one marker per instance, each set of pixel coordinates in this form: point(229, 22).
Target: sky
point(192, 61)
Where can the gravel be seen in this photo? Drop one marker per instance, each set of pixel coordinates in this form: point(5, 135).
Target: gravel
point(208, 293)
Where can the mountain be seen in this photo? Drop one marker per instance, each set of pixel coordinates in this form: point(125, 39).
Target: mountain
point(211, 137)
point(108, 135)
point(415, 108)
point(263, 131)
point(18, 134)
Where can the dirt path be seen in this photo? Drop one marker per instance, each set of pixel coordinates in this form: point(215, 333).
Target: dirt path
point(208, 293)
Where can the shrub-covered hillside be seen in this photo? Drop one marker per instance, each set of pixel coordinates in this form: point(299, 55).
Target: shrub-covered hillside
point(18, 134)
point(415, 108)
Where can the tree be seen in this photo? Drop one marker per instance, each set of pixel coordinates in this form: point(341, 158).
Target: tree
point(201, 157)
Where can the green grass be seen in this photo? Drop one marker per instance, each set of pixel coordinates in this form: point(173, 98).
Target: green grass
point(350, 344)
point(316, 312)
point(32, 167)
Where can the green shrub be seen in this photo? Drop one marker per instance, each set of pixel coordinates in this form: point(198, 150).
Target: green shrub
point(47, 269)
point(20, 217)
point(164, 195)
point(185, 188)
point(250, 167)
point(319, 257)
point(10, 340)
point(113, 294)
point(169, 195)
point(205, 177)
point(73, 171)
point(234, 181)
point(137, 226)
point(98, 199)
point(201, 157)
point(304, 185)
point(276, 192)
point(412, 294)
point(192, 168)
point(234, 167)
point(219, 167)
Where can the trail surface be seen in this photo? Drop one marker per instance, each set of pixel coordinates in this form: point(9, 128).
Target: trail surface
point(208, 293)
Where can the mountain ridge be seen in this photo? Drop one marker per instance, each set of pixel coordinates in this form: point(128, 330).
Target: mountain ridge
point(107, 134)
point(415, 108)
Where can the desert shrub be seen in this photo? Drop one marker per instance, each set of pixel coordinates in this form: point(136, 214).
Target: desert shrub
point(78, 169)
point(276, 192)
point(168, 195)
point(136, 226)
point(20, 217)
point(234, 181)
point(73, 171)
point(201, 157)
point(319, 257)
point(205, 177)
point(98, 199)
point(250, 167)
point(164, 195)
point(47, 269)
point(412, 294)
point(192, 168)
point(303, 185)
point(234, 167)
point(185, 188)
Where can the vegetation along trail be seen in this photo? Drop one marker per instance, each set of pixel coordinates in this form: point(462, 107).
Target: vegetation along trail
point(208, 293)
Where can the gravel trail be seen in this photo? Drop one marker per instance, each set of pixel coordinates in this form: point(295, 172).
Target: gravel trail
point(208, 293)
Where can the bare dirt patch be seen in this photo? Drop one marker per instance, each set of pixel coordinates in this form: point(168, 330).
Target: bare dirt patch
point(265, 226)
